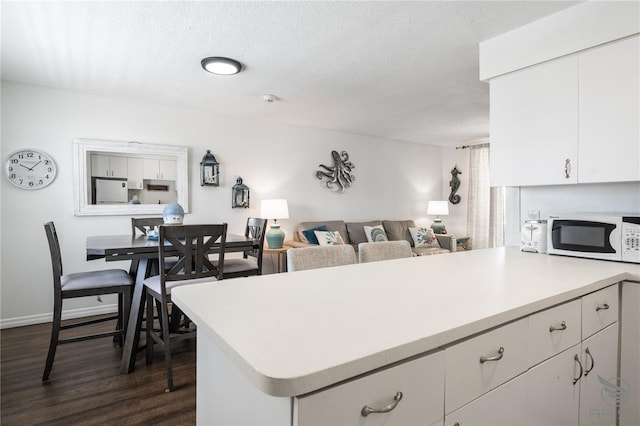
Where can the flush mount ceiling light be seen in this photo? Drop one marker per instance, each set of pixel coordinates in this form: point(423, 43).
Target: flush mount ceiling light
point(221, 66)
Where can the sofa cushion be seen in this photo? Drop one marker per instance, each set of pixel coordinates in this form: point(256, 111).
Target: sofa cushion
point(332, 225)
point(310, 235)
point(355, 231)
point(424, 237)
point(425, 251)
point(399, 230)
point(375, 234)
point(329, 238)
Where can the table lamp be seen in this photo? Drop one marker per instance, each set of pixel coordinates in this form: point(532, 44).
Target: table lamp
point(274, 209)
point(438, 208)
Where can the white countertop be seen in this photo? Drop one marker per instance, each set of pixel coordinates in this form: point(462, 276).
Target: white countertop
point(298, 332)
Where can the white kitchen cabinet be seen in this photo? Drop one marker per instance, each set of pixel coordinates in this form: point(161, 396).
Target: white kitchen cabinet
point(609, 130)
point(503, 406)
point(159, 169)
point(599, 382)
point(571, 120)
point(134, 173)
point(534, 125)
point(414, 389)
point(484, 362)
point(554, 330)
point(599, 309)
point(552, 396)
point(630, 354)
point(108, 166)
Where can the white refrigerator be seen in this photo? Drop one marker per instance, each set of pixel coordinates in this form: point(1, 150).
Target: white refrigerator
point(111, 191)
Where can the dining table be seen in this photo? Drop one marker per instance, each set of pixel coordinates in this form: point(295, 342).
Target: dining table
point(142, 251)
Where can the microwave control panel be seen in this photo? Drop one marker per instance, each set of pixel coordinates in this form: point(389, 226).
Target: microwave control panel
point(631, 240)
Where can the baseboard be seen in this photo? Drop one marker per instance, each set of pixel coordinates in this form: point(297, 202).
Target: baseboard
point(68, 314)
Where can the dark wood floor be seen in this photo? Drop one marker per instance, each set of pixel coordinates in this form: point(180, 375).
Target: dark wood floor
point(85, 386)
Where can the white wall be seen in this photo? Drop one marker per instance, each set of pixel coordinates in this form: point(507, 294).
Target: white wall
point(392, 180)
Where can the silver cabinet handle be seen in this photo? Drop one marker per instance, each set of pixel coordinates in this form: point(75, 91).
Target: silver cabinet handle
point(563, 326)
point(575, 379)
point(593, 364)
point(602, 307)
point(498, 357)
point(366, 410)
point(567, 168)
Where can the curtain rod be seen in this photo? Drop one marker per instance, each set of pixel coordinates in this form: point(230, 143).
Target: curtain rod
point(485, 144)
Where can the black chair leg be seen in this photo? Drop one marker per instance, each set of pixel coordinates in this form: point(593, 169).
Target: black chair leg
point(149, 329)
point(53, 344)
point(167, 345)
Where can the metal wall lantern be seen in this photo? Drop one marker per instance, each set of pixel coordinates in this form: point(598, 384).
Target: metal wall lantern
point(209, 170)
point(240, 194)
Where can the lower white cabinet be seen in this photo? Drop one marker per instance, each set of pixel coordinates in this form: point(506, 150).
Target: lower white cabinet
point(407, 394)
point(504, 406)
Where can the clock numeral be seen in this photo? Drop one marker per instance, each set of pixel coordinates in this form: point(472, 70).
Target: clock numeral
point(14, 161)
point(12, 176)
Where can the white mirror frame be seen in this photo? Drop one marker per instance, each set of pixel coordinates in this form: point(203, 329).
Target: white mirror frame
point(81, 151)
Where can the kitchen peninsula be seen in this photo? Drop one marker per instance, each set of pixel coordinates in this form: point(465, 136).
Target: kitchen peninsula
point(318, 346)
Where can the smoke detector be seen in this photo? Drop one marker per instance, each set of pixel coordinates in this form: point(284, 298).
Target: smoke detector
point(268, 98)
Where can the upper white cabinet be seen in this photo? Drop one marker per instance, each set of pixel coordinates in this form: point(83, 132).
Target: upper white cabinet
point(534, 125)
point(570, 120)
point(159, 169)
point(134, 173)
point(609, 108)
point(108, 166)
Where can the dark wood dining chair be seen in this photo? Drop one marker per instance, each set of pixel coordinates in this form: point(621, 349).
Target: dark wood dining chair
point(141, 224)
point(251, 262)
point(81, 284)
point(191, 244)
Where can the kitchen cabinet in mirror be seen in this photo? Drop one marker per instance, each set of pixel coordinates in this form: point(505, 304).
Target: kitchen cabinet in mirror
point(108, 175)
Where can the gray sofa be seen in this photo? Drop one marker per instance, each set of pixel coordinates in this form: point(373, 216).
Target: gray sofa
point(353, 233)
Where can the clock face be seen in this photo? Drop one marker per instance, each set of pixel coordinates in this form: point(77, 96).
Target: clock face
point(29, 169)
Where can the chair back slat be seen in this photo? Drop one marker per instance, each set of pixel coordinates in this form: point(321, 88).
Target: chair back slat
point(192, 245)
point(256, 229)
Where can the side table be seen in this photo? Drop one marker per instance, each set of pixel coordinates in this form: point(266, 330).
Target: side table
point(281, 258)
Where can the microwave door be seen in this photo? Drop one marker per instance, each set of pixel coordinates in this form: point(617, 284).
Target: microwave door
point(598, 240)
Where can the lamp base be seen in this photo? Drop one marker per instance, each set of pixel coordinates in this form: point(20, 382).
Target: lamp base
point(438, 227)
point(275, 237)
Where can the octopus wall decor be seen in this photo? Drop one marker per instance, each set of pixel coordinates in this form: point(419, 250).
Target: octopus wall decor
point(340, 175)
point(455, 185)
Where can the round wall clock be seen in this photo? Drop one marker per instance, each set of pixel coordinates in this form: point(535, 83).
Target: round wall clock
point(29, 169)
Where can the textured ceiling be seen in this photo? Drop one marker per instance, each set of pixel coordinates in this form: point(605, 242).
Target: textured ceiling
point(397, 70)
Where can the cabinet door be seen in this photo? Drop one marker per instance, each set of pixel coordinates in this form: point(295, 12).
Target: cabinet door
point(503, 406)
point(552, 397)
point(134, 173)
point(610, 113)
point(599, 385)
point(421, 383)
point(100, 166)
point(167, 169)
point(118, 167)
point(150, 169)
point(554, 330)
point(534, 125)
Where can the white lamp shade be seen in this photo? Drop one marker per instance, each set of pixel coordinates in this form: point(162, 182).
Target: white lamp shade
point(438, 208)
point(274, 209)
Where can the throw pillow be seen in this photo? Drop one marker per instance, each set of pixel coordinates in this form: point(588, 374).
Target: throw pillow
point(424, 237)
point(375, 233)
point(329, 238)
point(310, 235)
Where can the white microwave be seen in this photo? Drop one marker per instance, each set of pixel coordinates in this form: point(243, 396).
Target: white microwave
point(607, 237)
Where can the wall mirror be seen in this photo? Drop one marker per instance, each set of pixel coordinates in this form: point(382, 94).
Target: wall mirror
point(128, 178)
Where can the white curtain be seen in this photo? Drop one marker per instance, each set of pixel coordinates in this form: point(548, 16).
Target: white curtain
point(486, 211)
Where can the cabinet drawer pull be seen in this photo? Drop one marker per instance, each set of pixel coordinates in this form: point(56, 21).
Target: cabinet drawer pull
point(563, 326)
point(498, 357)
point(602, 307)
point(567, 168)
point(576, 359)
point(593, 364)
point(366, 410)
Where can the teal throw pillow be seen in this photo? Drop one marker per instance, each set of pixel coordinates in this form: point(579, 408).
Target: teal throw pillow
point(311, 236)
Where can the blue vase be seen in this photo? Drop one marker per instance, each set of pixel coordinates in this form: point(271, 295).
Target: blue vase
point(173, 214)
point(275, 237)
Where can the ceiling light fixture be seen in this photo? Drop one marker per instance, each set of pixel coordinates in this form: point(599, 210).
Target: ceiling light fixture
point(221, 66)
